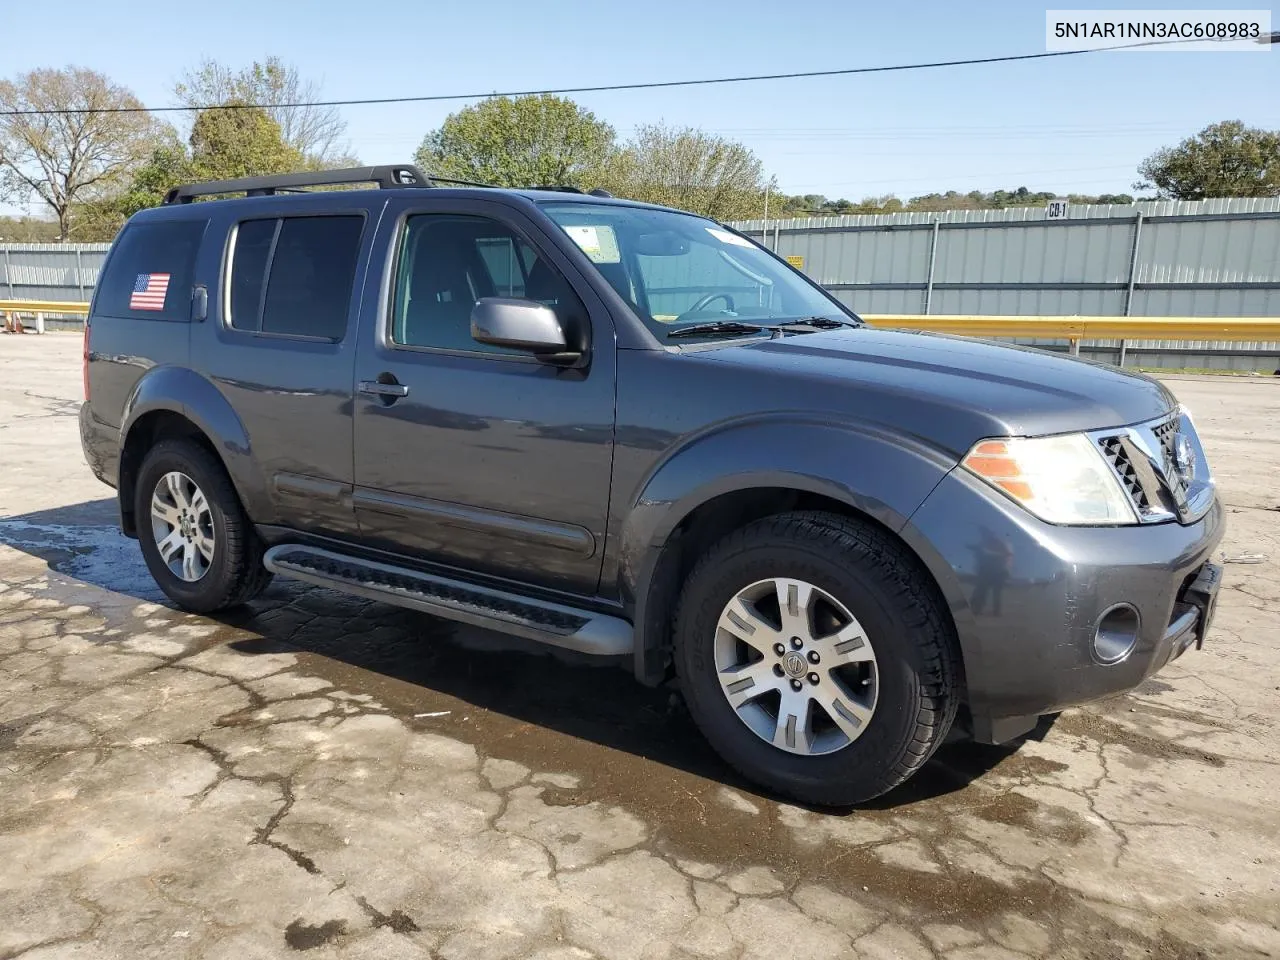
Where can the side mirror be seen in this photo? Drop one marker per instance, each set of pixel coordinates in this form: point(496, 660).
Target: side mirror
point(521, 324)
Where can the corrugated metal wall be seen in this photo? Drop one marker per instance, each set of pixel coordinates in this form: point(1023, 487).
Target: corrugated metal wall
point(1199, 258)
point(1209, 258)
point(1218, 258)
point(1196, 258)
point(50, 271)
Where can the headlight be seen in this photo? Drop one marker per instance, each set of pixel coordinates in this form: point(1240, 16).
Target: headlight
point(1059, 479)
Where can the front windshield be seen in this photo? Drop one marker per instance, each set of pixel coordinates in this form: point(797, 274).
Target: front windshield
point(676, 270)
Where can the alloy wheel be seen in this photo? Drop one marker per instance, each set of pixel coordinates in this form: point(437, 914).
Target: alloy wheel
point(796, 666)
point(182, 526)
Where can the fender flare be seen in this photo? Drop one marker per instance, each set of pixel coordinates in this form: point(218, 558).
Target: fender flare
point(188, 394)
point(873, 471)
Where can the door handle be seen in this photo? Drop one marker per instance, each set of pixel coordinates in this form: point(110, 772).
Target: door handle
point(387, 391)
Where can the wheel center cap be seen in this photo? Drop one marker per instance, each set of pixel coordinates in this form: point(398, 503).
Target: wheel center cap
point(794, 665)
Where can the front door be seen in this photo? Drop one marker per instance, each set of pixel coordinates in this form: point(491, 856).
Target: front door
point(481, 457)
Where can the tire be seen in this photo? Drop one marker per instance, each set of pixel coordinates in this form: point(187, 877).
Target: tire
point(886, 710)
point(231, 573)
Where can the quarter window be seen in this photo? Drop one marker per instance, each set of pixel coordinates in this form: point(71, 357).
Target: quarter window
point(151, 270)
point(294, 276)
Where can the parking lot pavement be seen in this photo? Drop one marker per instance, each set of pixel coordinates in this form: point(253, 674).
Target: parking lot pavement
point(319, 774)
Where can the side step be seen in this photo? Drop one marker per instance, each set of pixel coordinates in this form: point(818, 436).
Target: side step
point(553, 623)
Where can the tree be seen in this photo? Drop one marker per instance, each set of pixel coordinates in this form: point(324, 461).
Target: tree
point(235, 140)
point(690, 169)
point(66, 158)
point(226, 142)
point(527, 141)
point(314, 131)
point(1224, 159)
point(27, 230)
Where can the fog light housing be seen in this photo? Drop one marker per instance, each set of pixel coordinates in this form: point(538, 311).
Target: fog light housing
point(1117, 633)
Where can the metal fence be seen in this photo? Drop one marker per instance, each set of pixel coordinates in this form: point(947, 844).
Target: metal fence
point(50, 271)
point(1206, 258)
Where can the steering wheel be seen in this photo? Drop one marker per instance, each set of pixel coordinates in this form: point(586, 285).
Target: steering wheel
point(704, 302)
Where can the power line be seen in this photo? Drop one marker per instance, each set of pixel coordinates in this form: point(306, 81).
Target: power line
point(650, 85)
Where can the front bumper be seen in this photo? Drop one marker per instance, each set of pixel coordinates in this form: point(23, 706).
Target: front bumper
point(1027, 597)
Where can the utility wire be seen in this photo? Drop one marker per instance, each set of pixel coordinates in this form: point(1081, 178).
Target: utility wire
point(651, 85)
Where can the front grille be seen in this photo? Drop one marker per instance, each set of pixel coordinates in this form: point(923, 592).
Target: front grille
point(1167, 433)
point(1162, 468)
point(1118, 457)
point(1130, 453)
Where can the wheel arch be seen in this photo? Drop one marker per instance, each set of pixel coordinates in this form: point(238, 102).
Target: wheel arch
point(172, 403)
point(726, 480)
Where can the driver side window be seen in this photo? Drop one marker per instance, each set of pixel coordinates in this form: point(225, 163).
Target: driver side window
point(449, 262)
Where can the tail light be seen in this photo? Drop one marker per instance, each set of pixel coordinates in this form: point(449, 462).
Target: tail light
point(84, 358)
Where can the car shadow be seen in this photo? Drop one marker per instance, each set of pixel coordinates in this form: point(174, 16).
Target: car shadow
point(585, 698)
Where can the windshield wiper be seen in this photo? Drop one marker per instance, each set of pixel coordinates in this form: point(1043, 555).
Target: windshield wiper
point(738, 326)
point(818, 323)
point(716, 326)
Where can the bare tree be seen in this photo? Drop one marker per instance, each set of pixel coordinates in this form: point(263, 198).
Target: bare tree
point(314, 131)
point(71, 149)
point(689, 169)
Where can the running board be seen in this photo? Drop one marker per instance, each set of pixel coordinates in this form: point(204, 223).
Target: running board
point(553, 623)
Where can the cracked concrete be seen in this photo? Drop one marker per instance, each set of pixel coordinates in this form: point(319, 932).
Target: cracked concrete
point(326, 776)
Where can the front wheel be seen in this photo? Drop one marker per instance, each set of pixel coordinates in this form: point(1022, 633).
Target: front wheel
point(196, 540)
point(816, 658)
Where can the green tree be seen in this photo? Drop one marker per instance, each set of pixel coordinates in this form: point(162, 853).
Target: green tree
point(239, 141)
point(1224, 159)
point(225, 144)
point(78, 146)
point(316, 132)
point(527, 141)
point(689, 169)
point(27, 230)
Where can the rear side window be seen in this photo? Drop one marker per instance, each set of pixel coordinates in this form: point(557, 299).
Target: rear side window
point(150, 271)
point(293, 276)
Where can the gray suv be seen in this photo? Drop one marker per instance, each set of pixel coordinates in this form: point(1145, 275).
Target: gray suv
point(633, 432)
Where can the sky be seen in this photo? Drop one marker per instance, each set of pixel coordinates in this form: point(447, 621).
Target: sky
point(1072, 124)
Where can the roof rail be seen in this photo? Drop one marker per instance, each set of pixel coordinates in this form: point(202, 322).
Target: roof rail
point(386, 177)
point(466, 183)
point(561, 188)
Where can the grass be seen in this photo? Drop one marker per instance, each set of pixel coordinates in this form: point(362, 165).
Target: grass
point(1200, 371)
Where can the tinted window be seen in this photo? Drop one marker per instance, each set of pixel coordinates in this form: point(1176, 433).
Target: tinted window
point(249, 270)
point(447, 263)
point(507, 261)
point(311, 274)
point(149, 274)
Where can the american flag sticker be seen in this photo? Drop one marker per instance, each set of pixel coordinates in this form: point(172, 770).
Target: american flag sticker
point(148, 291)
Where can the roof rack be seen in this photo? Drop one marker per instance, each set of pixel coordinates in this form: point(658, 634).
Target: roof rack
point(386, 177)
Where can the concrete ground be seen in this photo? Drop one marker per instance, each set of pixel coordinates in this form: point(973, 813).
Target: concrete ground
point(323, 775)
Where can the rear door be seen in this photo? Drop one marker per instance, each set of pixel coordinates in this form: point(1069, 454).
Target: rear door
point(282, 350)
point(489, 459)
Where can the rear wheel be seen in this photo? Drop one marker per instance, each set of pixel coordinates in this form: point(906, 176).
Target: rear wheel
point(816, 658)
point(196, 540)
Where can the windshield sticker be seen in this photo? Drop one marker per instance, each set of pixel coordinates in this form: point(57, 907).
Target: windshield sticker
point(724, 236)
point(600, 244)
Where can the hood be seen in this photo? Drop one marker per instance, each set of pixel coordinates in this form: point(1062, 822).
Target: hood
point(952, 390)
